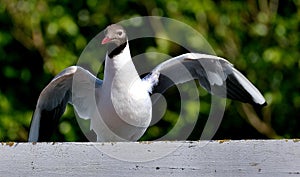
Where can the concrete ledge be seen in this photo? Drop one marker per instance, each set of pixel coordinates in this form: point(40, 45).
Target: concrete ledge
point(177, 158)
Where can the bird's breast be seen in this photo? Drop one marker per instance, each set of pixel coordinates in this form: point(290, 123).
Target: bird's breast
point(132, 104)
point(126, 111)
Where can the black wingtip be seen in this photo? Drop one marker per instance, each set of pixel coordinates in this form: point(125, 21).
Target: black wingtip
point(265, 104)
point(259, 105)
point(258, 108)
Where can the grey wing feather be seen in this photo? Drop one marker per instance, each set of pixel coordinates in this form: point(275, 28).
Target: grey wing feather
point(215, 74)
point(73, 85)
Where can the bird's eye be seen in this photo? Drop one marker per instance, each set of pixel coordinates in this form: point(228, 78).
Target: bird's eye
point(119, 33)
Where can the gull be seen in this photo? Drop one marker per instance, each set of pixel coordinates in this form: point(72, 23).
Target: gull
point(119, 107)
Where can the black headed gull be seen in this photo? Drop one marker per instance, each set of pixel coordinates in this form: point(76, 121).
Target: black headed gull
point(119, 106)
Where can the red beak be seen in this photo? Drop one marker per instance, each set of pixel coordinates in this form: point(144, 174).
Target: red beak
point(105, 40)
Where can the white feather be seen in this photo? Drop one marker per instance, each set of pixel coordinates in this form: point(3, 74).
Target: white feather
point(214, 78)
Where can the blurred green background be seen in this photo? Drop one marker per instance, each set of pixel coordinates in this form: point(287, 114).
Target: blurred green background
point(40, 38)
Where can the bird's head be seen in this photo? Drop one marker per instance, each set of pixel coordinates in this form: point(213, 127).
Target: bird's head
point(114, 34)
point(115, 38)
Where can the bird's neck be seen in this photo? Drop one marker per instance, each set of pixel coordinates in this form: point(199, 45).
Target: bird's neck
point(114, 50)
point(120, 69)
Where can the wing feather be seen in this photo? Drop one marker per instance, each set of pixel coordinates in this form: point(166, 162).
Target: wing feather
point(73, 85)
point(215, 74)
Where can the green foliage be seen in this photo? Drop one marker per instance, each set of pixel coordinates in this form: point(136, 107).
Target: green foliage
point(40, 38)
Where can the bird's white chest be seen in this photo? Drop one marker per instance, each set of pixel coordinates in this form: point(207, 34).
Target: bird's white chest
point(132, 103)
point(126, 112)
point(124, 105)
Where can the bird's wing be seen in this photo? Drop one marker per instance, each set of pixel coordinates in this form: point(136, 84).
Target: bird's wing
point(74, 85)
point(215, 74)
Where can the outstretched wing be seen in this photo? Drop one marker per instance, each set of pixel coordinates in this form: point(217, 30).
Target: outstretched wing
point(73, 85)
point(215, 74)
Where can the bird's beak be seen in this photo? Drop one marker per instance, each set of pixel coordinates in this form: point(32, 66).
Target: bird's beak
point(105, 40)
